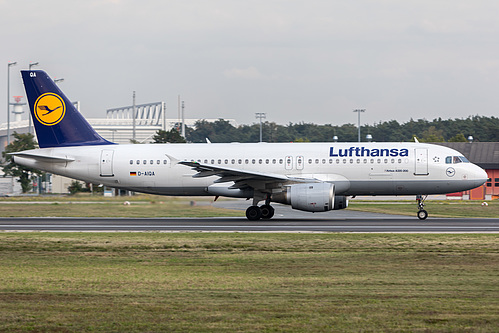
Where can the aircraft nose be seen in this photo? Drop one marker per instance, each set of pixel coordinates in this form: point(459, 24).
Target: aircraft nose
point(480, 176)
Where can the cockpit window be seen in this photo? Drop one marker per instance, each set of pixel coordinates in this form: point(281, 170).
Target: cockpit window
point(456, 159)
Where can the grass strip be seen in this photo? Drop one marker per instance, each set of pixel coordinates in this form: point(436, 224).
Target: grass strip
point(210, 282)
point(434, 208)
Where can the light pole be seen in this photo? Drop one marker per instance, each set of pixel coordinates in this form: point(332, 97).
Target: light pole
point(9, 65)
point(31, 64)
point(260, 115)
point(358, 125)
point(133, 118)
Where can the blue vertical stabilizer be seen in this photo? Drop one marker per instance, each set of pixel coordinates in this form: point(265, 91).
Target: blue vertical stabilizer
point(57, 122)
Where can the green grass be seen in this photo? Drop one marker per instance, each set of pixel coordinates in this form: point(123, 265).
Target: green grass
point(161, 206)
point(209, 282)
point(448, 208)
point(169, 208)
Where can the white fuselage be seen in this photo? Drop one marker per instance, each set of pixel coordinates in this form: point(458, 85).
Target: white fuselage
point(354, 168)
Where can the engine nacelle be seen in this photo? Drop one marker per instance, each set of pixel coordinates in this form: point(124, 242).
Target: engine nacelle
point(312, 197)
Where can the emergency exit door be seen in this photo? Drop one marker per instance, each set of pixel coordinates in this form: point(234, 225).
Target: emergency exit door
point(106, 163)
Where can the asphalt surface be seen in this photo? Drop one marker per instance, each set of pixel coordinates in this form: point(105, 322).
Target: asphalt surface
point(389, 224)
point(285, 220)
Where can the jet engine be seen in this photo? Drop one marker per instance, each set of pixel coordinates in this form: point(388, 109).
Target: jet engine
point(311, 197)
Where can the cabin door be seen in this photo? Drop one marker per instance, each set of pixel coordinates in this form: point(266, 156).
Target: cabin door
point(106, 163)
point(421, 160)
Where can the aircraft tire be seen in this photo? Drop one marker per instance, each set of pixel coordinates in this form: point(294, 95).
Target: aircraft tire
point(253, 213)
point(422, 214)
point(267, 212)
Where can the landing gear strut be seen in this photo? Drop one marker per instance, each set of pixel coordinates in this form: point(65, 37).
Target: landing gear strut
point(422, 214)
point(265, 212)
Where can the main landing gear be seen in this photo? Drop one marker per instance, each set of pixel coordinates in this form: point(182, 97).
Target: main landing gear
point(422, 214)
point(265, 212)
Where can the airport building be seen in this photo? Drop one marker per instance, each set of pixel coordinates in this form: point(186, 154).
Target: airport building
point(118, 126)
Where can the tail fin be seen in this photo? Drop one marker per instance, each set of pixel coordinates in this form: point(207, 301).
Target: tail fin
point(57, 122)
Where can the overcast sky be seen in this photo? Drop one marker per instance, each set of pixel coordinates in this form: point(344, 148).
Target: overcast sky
point(311, 61)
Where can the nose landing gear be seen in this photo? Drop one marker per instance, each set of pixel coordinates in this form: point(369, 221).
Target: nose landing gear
point(422, 214)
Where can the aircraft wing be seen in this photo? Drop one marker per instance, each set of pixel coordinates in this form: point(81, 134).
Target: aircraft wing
point(240, 177)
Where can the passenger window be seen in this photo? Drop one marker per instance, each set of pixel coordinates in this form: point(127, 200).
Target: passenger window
point(317, 161)
point(365, 160)
point(386, 161)
point(267, 161)
point(351, 161)
point(379, 161)
point(344, 160)
point(219, 161)
point(372, 161)
point(400, 160)
point(310, 161)
point(212, 161)
point(337, 161)
point(233, 161)
point(164, 162)
point(281, 161)
point(274, 161)
point(253, 161)
point(226, 161)
point(330, 161)
point(323, 161)
point(246, 161)
point(158, 162)
point(260, 161)
point(145, 162)
point(358, 161)
point(392, 160)
point(131, 161)
point(151, 162)
point(240, 161)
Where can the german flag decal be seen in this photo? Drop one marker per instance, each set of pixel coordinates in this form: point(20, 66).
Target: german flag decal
point(133, 173)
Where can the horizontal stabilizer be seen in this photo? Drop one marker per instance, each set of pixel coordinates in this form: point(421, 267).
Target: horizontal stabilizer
point(42, 157)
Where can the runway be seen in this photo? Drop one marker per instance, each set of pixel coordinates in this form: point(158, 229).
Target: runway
point(354, 224)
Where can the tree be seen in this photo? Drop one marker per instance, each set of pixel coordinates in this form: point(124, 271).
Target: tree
point(25, 174)
point(75, 187)
point(458, 138)
point(171, 136)
point(432, 135)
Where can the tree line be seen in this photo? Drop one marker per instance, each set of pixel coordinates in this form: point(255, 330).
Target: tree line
point(484, 129)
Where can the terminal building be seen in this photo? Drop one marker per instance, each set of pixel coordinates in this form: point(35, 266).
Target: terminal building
point(118, 126)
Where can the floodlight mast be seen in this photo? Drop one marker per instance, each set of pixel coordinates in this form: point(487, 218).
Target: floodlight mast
point(358, 123)
point(260, 115)
point(31, 64)
point(9, 65)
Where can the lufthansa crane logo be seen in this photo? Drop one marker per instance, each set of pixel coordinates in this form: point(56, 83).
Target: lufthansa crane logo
point(50, 109)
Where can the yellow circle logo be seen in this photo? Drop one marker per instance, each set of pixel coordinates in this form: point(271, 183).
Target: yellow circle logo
point(50, 109)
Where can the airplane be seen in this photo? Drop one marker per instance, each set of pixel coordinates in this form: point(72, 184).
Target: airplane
point(312, 177)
